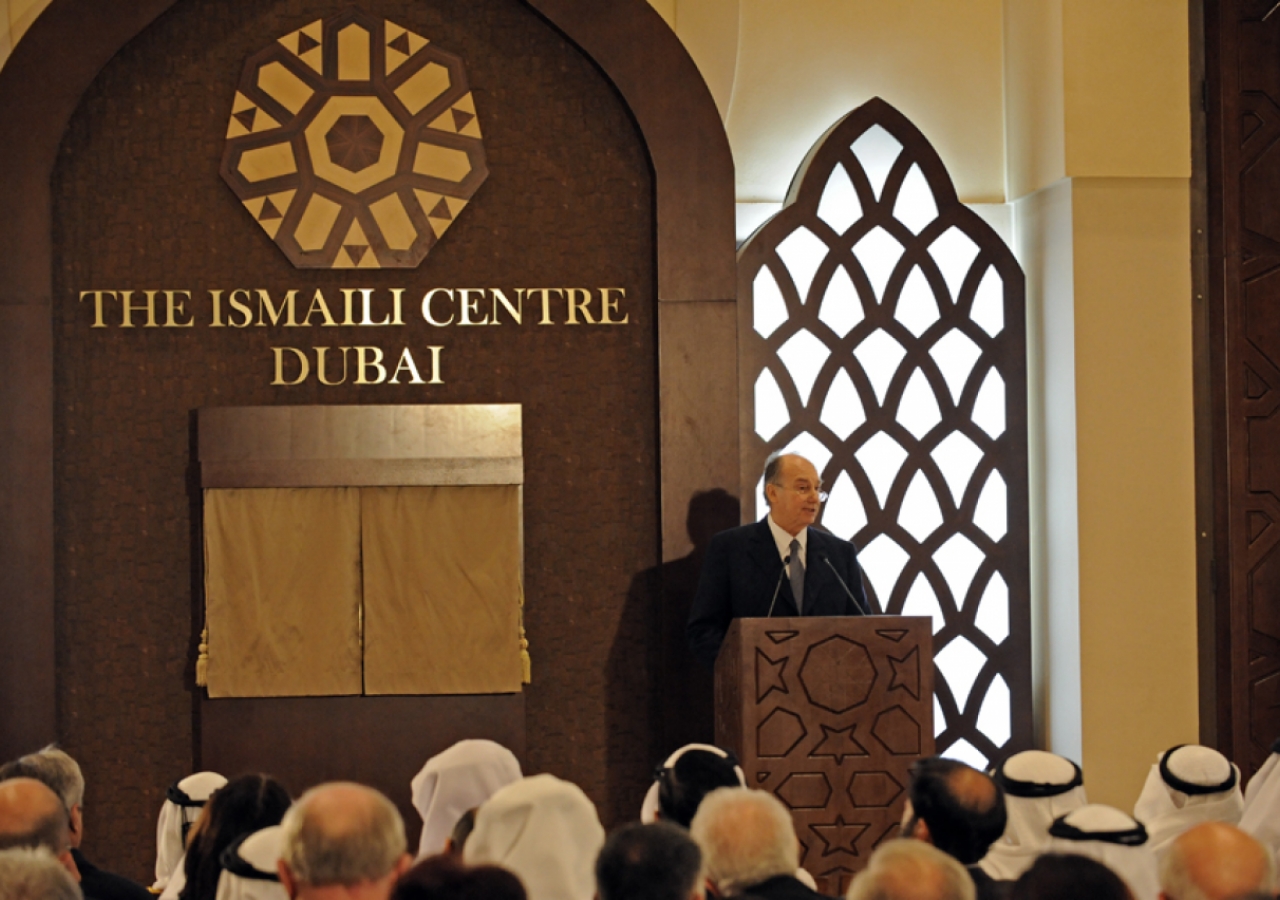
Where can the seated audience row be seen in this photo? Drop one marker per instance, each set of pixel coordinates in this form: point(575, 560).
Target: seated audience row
point(1025, 831)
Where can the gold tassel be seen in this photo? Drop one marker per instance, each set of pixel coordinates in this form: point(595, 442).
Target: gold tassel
point(202, 659)
point(526, 662)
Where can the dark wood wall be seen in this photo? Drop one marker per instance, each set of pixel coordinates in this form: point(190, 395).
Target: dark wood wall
point(600, 126)
point(1240, 398)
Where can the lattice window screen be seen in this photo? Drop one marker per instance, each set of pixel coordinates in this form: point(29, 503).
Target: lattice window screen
point(882, 335)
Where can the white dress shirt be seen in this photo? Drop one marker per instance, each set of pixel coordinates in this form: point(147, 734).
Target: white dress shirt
point(783, 540)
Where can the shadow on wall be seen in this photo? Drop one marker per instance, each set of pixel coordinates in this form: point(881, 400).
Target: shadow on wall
point(659, 696)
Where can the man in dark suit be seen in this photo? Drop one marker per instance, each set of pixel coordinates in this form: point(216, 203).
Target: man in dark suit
point(779, 566)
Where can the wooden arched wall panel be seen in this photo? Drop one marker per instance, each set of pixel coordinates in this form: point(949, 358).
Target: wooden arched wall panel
point(40, 88)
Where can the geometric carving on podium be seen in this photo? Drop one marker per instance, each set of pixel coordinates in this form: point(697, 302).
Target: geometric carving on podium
point(779, 734)
point(769, 676)
point(781, 637)
point(840, 836)
point(906, 674)
point(897, 731)
point(839, 876)
point(805, 790)
point(873, 789)
point(837, 674)
point(839, 743)
point(893, 634)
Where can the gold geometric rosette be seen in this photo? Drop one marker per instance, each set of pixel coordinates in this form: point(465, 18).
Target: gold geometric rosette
point(354, 143)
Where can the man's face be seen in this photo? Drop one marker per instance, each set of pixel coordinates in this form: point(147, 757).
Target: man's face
point(793, 500)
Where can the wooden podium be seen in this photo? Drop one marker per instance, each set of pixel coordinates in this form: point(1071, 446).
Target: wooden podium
point(829, 714)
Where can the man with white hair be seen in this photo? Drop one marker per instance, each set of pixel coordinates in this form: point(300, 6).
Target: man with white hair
point(1215, 861)
point(911, 870)
point(32, 873)
point(749, 845)
point(779, 566)
point(342, 840)
point(1188, 784)
point(56, 769)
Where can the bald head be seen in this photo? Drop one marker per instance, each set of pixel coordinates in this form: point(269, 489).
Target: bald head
point(1215, 861)
point(954, 807)
point(32, 815)
point(342, 834)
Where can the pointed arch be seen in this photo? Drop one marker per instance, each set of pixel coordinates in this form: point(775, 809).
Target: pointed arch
point(882, 334)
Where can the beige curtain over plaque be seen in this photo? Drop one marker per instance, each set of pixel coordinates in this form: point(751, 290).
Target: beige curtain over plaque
point(442, 589)
point(282, 591)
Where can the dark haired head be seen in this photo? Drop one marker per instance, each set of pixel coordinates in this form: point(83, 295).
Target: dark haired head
point(648, 862)
point(695, 774)
point(962, 807)
point(445, 878)
point(1057, 876)
point(240, 807)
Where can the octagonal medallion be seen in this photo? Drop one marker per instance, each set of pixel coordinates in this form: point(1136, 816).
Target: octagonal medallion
point(353, 142)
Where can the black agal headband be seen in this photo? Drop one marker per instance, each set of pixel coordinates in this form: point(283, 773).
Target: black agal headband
point(1186, 786)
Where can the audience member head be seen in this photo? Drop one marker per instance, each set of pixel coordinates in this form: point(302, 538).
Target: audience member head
point(1066, 876)
point(954, 807)
point(1188, 784)
point(32, 815)
point(911, 870)
point(1215, 861)
point(183, 804)
point(33, 873)
point(649, 862)
point(456, 780)
point(746, 838)
point(62, 774)
point(1038, 788)
point(687, 776)
point(343, 838)
point(1113, 838)
point(544, 830)
point(446, 878)
point(250, 866)
point(245, 805)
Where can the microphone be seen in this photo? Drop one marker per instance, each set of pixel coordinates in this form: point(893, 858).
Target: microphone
point(849, 593)
point(786, 561)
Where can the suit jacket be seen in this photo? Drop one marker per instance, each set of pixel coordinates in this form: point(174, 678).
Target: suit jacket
point(742, 571)
point(96, 884)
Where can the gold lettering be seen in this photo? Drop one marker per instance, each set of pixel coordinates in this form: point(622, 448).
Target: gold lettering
point(397, 296)
point(471, 305)
point(320, 367)
point(303, 363)
point(242, 308)
point(609, 304)
point(348, 298)
point(546, 303)
point(217, 310)
point(265, 305)
point(363, 364)
point(514, 311)
point(406, 365)
point(127, 309)
point(318, 305)
point(579, 300)
point(366, 306)
point(175, 307)
point(426, 306)
point(435, 365)
point(97, 305)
